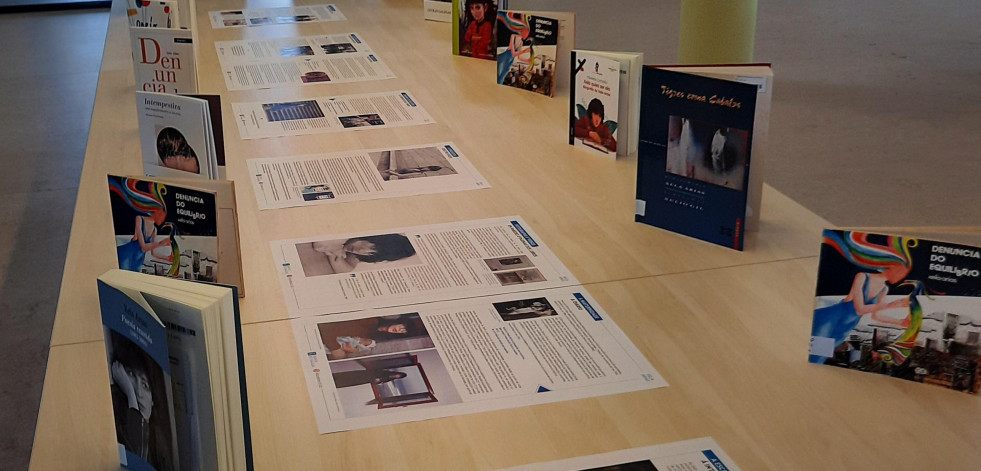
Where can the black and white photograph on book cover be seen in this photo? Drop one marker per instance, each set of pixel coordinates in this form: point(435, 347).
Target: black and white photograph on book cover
point(139, 402)
point(374, 336)
point(358, 254)
point(175, 152)
point(707, 152)
point(375, 385)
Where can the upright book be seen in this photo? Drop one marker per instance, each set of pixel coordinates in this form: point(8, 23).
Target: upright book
point(473, 27)
point(153, 14)
point(177, 375)
point(760, 75)
point(438, 10)
point(177, 135)
point(694, 155)
point(527, 51)
point(163, 60)
point(177, 228)
point(604, 104)
point(899, 306)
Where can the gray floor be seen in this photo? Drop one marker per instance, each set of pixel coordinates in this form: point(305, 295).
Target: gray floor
point(876, 121)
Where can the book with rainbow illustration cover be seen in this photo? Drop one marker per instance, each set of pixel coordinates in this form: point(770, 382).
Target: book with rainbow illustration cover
point(899, 306)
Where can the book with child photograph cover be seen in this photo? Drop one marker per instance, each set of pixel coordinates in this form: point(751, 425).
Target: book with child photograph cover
point(694, 155)
point(177, 374)
point(473, 25)
point(604, 115)
point(904, 307)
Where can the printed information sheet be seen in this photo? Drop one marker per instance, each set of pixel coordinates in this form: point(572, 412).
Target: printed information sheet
point(362, 174)
point(700, 454)
point(272, 16)
point(292, 62)
point(381, 367)
point(329, 114)
point(337, 273)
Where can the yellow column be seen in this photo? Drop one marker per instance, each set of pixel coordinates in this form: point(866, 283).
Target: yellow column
point(717, 31)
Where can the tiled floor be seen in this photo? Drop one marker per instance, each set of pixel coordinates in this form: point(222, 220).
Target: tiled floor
point(875, 121)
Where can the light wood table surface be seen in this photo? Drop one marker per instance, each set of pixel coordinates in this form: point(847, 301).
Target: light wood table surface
point(728, 330)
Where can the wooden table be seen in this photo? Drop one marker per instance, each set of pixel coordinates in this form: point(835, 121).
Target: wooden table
point(728, 330)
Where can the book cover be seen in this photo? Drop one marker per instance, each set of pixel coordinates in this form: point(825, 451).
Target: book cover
point(594, 103)
point(176, 136)
point(899, 306)
point(473, 27)
point(438, 10)
point(694, 155)
point(163, 60)
point(527, 48)
point(193, 330)
point(153, 14)
point(140, 385)
point(760, 75)
point(164, 229)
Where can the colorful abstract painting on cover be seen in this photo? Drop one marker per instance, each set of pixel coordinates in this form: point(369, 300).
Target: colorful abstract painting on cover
point(903, 307)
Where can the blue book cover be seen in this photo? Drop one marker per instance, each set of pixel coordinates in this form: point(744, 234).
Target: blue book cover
point(139, 371)
point(694, 155)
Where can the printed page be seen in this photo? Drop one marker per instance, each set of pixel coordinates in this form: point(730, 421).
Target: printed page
point(336, 273)
point(701, 454)
point(308, 180)
point(272, 16)
point(372, 368)
point(292, 62)
point(329, 114)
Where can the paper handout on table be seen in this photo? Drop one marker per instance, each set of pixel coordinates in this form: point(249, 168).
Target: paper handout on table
point(364, 174)
point(381, 367)
point(270, 16)
point(336, 273)
point(701, 454)
point(329, 114)
point(291, 62)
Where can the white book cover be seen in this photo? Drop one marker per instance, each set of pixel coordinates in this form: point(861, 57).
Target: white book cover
point(163, 60)
point(628, 96)
point(594, 103)
point(175, 136)
point(438, 10)
point(153, 14)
